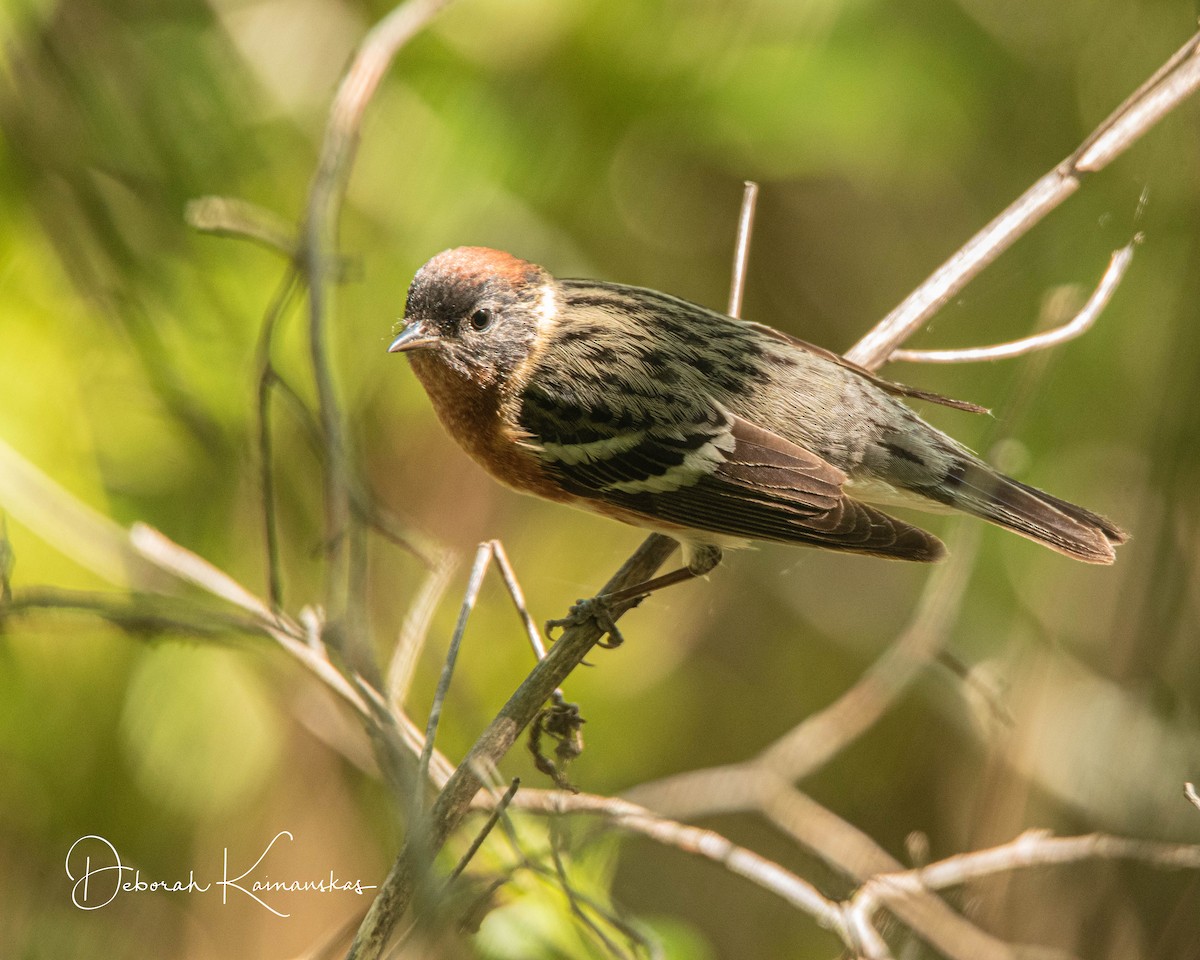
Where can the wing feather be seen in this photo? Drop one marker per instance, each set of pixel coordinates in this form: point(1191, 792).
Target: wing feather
point(706, 469)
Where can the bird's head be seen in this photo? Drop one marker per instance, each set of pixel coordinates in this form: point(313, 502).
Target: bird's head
point(476, 312)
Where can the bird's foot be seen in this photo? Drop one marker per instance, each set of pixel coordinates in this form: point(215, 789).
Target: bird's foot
point(597, 610)
point(563, 723)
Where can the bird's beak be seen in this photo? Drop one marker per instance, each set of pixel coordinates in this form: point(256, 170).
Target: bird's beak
point(412, 337)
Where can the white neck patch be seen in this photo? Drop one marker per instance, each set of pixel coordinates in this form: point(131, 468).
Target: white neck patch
point(546, 311)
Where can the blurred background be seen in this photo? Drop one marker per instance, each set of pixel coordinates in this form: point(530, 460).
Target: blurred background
point(603, 138)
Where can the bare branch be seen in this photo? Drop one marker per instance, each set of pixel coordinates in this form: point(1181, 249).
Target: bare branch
point(1039, 848)
point(1078, 325)
point(318, 250)
point(478, 569)
point(741, 253)
point(193, 568)
point(517, 595)
point(1173, 83)
point(1033, 848)
point(415, 629)
point(497, 811)
point(454, 800)
point(233, 217)
point(71, 526)
point(693, 840)
point(138, 614)
point(268, 379)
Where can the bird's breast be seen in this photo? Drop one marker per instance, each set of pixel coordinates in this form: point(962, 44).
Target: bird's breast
point(473, 414)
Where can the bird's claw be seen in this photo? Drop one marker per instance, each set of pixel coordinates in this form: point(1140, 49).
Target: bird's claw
point(595, 610)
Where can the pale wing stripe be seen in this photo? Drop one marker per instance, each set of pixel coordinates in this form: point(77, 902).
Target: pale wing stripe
point(592, 451)
point(696, 465)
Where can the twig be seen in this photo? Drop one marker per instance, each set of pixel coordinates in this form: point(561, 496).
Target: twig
point(568, 890)
point(137, 614)
point(318, 248)
point(268, 378)
point(498, 808)
point(157, 547)
point(1164, 91)
point(1033, 848)
point(455, 799)
point(696, 841)
point(1078, 325)
point(1189, 791)
point(415, 629)
point(478, 569)
point(511, 584)
point(71, 526)
point(741, 253)
point(233, 217)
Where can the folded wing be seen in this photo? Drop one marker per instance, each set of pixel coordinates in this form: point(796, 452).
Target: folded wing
point(709, 470)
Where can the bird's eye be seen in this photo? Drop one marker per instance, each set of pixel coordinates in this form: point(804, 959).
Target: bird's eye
point(481, 319)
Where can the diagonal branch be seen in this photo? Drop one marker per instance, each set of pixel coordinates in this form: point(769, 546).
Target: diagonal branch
point(1166, 89)
point(455, 799)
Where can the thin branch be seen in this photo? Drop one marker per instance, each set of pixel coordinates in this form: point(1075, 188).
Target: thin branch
point(318, 251)
point(1172, 84)
point(1039, 848)
point(234, 217)
point(497, 811)
point(1034, 848)
point(1189, 791)
point(415, 629)
point(267, 379)
point(137, 613)
point(478, 569)
point(454, 801)
point(513, 586)
point(167, 554)
point(696, 841)
point(564, 882)
point(741, 253)
point(1078, 325)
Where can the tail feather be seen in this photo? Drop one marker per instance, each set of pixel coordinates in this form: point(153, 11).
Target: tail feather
point(1058, 524)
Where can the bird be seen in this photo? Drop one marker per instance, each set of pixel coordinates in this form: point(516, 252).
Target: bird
point(715, 431)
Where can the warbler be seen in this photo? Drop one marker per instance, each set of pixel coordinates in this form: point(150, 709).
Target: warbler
point(715, 431)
